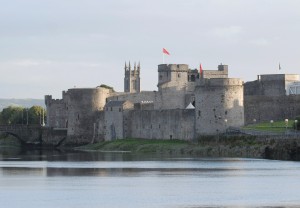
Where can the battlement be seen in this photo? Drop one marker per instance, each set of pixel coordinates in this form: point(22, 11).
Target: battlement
point(223, 67)
point(222, 72)
point(220, 82)
point(48, 97)
point(173, 67)
point(50, 101)
point(278, 77)
point(88, 90)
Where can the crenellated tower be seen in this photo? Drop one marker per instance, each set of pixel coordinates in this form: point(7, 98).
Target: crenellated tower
point(132, 78)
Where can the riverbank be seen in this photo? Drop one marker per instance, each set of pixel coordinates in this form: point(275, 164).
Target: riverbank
point(278, 148)
point(204, 147)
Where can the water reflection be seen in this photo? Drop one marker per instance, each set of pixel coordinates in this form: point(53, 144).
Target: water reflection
point(94, 179)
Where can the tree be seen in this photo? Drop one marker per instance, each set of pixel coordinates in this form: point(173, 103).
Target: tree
point(18, 115)
point(11, 115)
point(35, 115)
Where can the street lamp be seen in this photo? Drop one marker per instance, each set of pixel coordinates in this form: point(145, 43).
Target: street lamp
point(254, 120)
point(22, 117)
point(225, 120)
point(296, 126)
point(286, 123)
point(27, 116)
point(271, 122)
point(43, 124)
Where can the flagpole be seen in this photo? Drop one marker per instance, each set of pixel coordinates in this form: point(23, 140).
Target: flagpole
point(163, 58)
point(279, 68)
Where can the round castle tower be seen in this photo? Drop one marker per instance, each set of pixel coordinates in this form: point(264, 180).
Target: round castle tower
point(82, 107)
point(219, 105)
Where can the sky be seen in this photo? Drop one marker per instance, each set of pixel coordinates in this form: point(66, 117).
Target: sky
point(47, 46)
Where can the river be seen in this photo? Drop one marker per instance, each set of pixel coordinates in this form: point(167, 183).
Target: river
point(38, 179)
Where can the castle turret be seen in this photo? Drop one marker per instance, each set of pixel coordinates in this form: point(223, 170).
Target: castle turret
point(172, 76)
point(132, 79)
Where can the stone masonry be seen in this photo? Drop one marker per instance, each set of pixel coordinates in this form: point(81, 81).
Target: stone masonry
point(94, 114)
point(266, 98)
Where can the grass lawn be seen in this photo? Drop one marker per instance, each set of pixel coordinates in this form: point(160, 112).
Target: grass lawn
point(138, 145)
point(276, 126)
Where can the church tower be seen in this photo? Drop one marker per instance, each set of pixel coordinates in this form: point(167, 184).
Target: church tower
point(132, 78)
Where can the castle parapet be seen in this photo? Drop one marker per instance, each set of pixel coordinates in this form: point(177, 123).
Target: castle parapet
point(173, 67)
point(49, 101)
point(220, 82)
point(222, 72)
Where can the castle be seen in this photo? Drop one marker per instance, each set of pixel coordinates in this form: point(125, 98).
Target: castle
point(186, 105)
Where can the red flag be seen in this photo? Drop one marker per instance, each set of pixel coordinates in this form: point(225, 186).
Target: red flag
point(165, 51)
point(201, 70)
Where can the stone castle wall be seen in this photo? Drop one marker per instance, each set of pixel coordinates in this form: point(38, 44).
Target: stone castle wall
point(170, 99)
point(100, 126)
point(266, 108)
point(135, 97)
point(162, 124)
point(266, 88)
point(266, 99)
point(164, 99)
point(116, 120)
point(219, 104)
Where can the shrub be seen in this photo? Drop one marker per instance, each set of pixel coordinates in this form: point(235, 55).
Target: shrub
point(107, 87)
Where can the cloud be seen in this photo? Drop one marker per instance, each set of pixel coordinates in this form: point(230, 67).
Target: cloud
point(30, 62)
point(260, 42)
point(227, 32)
point(264, 41)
